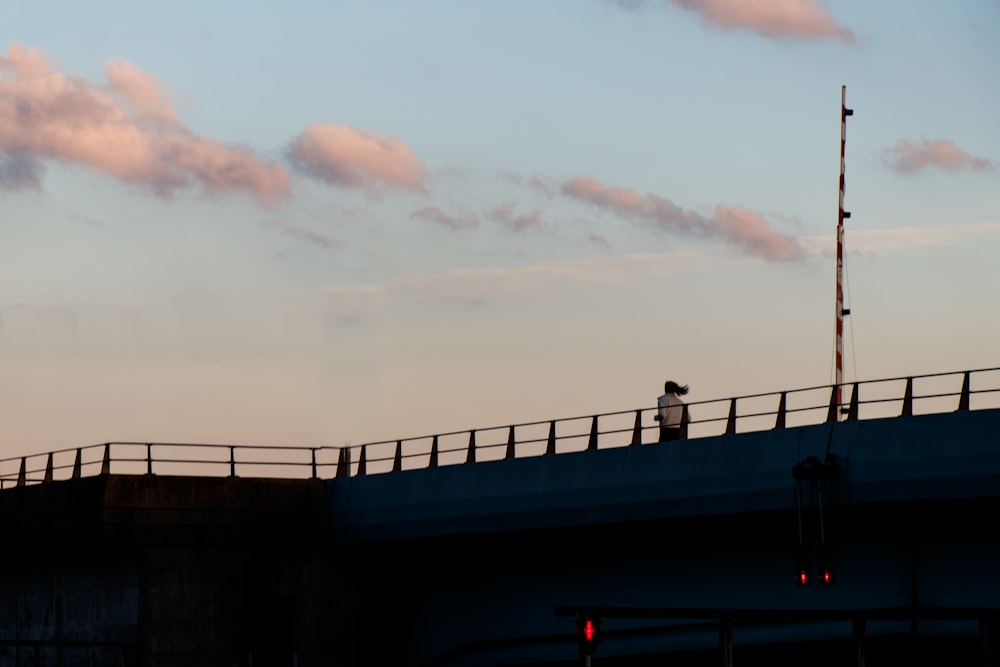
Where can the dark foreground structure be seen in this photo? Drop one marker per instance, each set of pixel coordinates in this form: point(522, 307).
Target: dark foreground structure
point(685, 553)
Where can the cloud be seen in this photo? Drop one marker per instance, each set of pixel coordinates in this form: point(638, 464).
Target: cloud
point(463, 220)
point(20, 172)
point(311, 236)
point(908, 157)
point(360, 159)
point(127, 129)
point(538, 185)
point(518, 223)
point(25, 63)
point(597, 239)
point(141, 91)
point(802, 19)
point(629, 5)
point(878, 241)
point(476, 284)
point(746, 230)
point(479, 284)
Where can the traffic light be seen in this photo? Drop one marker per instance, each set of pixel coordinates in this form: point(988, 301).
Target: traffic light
point(802, 565)
point(825, 565)
point(588, 634)
point(824, 562)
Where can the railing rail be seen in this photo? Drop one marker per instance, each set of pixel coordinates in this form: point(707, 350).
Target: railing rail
point(938, 392)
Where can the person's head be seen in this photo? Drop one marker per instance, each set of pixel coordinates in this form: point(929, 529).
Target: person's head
point(671, 387)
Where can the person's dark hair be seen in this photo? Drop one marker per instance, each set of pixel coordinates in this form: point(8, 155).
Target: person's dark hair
point(671, 387)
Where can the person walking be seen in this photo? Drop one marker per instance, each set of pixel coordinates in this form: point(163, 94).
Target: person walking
point(672, 412)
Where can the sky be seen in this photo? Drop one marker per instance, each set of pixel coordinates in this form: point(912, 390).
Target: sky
point(330, 223)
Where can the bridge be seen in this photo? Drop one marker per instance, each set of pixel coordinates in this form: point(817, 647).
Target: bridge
point(482, 547)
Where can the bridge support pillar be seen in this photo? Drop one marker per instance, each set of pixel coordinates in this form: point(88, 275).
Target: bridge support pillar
point(858, 639)
point(989, 641)
point(726, 643)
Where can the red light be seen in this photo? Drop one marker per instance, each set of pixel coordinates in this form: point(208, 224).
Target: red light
point(826, 576)
point(588, 630)
point(803, 577)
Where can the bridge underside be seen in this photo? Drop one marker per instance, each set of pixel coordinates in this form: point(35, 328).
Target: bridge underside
point(911, 581)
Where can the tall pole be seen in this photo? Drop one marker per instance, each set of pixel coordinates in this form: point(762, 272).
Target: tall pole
point(841, 216)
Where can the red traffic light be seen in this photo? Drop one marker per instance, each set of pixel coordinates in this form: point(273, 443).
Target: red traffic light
point(588, 633)
point(802, 565)
point(826, 577)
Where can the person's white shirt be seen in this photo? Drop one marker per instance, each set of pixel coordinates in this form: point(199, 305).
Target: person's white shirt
point(670, 409)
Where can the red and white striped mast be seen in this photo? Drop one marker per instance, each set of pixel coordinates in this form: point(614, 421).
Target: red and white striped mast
point(841, 216)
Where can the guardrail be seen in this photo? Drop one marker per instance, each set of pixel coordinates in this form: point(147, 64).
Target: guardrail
point(938, 392)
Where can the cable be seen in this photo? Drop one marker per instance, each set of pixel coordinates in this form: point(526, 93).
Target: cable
point(847, 293)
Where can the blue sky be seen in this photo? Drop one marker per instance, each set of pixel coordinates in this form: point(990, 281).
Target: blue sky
point(343, 222)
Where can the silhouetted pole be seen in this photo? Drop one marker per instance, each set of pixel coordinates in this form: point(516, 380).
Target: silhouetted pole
point(841, 216)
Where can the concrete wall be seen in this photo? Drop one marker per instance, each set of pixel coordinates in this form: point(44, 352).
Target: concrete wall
point(165, 571)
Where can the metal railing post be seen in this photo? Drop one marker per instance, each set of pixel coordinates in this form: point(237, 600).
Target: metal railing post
point(149, 458)
point(550, 445)
point(471, 456)
point(511, 453)
point(106, 463)
point(779, 421)
point(731, 421)
point(314, 473)
point(363, 461)
point(77, 464)
point(637, 429)
point(344, 462)
point(963, 401)
point(433, 461)
point(48, 470)
point(592, 443)
point(397, 460)
point(833, 412)
point(22, 477)
point(852, 411)
point(232, 462)
point(907, 399)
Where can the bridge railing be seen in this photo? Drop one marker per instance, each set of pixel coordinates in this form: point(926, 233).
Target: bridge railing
point(167, 458)
point(873, 399)
point(923, 394)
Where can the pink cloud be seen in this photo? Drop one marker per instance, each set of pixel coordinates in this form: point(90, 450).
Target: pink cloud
point(464, 220)
point(25, 62)
point(357, 158)
point(141, 91)
point(750, 231)
point(518, 223)
point(746, 230)
point(127, 129)
point(539, 185)
point(908, 157)
point(628, 202)
point(805, 19)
